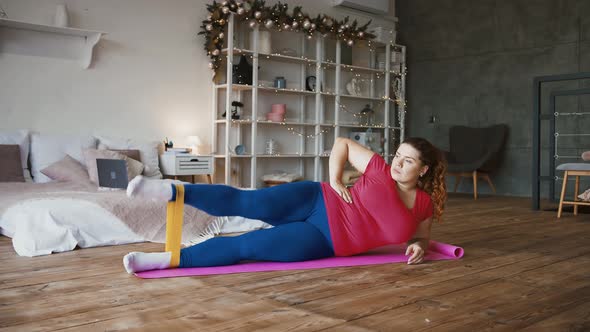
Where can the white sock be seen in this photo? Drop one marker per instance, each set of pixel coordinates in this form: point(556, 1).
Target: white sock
point(157, 190)
point(145, 261)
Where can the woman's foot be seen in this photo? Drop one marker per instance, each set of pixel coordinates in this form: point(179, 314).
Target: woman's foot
point(145, 261)
point(157, 190)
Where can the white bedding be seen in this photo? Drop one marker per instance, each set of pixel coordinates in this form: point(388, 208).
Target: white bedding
point(41, 226)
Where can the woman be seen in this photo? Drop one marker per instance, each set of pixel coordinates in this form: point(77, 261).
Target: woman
point(312, 220)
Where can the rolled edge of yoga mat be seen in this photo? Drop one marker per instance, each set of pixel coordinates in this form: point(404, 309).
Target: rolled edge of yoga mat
point(446, 249)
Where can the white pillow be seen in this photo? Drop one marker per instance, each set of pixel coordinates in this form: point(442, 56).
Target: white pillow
point(47, 149)
point(148, 152)
point(21, 138)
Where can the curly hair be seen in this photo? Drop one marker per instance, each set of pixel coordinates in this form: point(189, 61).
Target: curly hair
point(433, 181)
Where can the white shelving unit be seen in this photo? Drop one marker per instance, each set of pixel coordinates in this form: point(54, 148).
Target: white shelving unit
point(48, 41)
point(329, 109)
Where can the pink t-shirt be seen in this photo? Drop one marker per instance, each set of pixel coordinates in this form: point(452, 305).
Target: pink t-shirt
point(377, 215)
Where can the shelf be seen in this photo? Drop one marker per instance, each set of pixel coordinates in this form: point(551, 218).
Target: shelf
point(234, 86)
point(267, 122)
point(294, 155)
point(272, 56)
point(363, 97)
point(363, 126)
point(49, 41)
point(303, 60)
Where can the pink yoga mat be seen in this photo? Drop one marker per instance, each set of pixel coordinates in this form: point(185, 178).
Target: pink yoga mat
point(383, 255)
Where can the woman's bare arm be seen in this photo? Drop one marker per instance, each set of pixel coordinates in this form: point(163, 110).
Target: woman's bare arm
point(422, 235)
point(344, 150)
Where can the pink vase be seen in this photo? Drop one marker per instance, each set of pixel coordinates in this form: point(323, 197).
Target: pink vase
point(279, 109)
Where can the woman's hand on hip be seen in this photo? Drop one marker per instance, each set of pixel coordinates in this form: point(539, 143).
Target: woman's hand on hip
point(342, 191)
point(417, 253)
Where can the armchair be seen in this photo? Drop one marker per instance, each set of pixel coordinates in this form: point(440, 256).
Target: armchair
point(475, 152)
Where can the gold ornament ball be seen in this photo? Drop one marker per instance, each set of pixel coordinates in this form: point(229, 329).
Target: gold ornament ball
point(215, 52)
point(252, 24)
point(306, 24)
point(211, 65)
point(295, 24)
point(209, 27)
point(257, 14)
point(350, 42)
point(313, 25)
point(225, 10)
point(222, 22)
point(361, 34)
point(241, 11)
point(269, 24)
point(221, 35)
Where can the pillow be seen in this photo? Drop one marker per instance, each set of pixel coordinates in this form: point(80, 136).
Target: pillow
point(11, 169)
point(148, 150)
point(47, 149)
point(22, 139)
point(133, 154)
point(586, 156)
point(67, 169)
point(134, 167)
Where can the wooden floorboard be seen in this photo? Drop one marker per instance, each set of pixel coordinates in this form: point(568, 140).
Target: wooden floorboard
point(522, 270)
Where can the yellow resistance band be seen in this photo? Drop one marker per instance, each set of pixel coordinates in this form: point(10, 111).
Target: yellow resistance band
point(174, 220)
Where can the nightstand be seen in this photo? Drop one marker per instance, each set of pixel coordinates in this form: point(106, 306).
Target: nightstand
point(186, 164)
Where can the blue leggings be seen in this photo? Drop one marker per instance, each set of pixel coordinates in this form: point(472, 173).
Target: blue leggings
point(296, 210)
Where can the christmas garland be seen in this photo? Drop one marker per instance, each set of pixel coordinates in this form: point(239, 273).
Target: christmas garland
point(255, 12)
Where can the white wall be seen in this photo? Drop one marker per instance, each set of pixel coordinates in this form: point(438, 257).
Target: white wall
point(149, 78)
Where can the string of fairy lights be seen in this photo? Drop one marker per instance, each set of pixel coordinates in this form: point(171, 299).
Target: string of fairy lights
point(256, 13)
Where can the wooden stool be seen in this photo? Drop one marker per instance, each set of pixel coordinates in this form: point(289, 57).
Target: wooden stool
point(577, 170)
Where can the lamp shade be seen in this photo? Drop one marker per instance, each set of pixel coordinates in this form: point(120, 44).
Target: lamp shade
point(194, 142)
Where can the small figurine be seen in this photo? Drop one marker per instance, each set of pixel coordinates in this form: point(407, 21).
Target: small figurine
point(168, 144)
point(234, 112)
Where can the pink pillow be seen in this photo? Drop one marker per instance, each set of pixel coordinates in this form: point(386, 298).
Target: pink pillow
point(134, 167)
point(67, 169)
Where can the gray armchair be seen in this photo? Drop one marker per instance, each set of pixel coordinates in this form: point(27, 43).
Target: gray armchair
point(475, 152)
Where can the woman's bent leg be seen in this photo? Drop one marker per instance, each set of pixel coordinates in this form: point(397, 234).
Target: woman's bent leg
point(275, 205)
point(292, 242)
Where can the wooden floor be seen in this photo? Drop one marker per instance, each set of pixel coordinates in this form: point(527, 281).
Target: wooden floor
point(522, 269)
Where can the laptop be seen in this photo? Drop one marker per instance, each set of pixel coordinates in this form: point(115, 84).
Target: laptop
point(112, 173)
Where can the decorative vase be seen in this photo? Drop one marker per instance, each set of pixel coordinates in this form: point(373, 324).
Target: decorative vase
point(263, 41)
point(242, 72)
point(61, 16)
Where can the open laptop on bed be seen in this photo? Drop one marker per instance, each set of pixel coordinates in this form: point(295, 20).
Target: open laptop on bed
point(112, 173)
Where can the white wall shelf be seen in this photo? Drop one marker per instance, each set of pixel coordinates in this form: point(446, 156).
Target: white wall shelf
point(314, 119)
point(49, 41)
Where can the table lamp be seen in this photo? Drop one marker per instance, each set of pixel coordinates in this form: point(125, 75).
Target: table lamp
point(194, 142)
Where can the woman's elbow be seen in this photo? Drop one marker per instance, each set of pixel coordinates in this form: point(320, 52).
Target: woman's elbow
point(341, 141)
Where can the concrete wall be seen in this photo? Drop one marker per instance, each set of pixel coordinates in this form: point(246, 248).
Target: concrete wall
point(473, 62)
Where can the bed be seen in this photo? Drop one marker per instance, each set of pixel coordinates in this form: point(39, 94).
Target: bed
point(54, 215)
